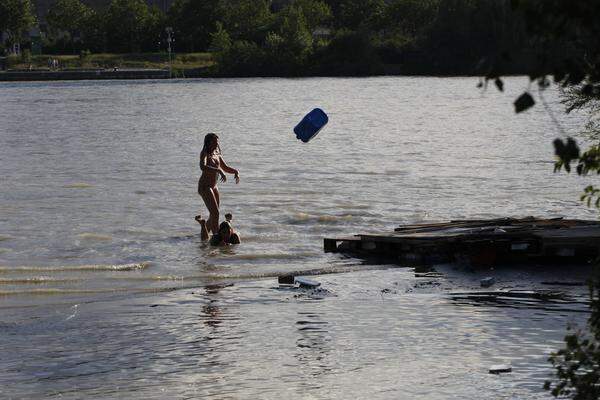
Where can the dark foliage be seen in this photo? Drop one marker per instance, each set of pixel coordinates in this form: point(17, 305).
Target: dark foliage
point(348, 53)
point(415, 36)
point(194, 21)
point(16, 17)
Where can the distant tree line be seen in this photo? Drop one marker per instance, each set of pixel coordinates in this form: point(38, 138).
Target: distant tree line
point(16, 18)
point(301, 37)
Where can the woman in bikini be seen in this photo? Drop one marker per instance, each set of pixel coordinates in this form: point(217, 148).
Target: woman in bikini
point(213, 168)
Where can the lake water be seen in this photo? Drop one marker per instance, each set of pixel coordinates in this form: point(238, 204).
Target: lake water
point(106, 289)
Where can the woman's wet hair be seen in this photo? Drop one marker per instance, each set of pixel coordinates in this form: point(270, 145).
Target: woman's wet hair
point(207, 140)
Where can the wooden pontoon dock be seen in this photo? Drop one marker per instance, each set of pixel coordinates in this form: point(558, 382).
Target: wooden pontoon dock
point(479, 242)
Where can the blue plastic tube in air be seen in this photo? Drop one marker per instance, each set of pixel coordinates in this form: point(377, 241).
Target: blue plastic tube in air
point(310, 125)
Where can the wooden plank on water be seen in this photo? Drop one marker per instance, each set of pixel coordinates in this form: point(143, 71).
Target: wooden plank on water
point(501, 238)
point(446, 235)
point(465, 223)
point(330, 245)
point(527, 222)
point(591, 232)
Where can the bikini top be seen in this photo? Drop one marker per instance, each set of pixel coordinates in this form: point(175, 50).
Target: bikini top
point(212, 161)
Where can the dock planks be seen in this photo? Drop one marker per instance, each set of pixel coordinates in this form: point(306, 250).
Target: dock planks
point(479, 242)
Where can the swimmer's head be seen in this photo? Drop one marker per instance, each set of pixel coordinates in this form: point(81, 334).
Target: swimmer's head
point(225, 230)
point(228, 217)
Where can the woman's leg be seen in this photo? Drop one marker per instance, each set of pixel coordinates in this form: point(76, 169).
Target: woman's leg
point(217, 196)
point(213, 208)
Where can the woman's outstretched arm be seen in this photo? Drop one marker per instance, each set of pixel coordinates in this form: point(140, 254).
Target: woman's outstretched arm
point(230, 170)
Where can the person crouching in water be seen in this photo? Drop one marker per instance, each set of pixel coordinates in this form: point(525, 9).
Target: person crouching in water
point(225, 234)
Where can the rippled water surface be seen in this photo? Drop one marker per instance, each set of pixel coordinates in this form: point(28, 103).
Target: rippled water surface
point(103, 276)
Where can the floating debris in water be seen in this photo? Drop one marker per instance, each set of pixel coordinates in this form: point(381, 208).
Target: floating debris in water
point(305, 287)
point(487, 282)
point(307, 283)
point(301, 282)
point(500, 369)
point(285, 280)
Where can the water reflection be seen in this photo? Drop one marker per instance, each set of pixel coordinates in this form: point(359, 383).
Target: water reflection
point(212, 313)
point(313, 346)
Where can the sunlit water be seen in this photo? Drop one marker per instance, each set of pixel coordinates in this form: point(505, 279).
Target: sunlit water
point(103, 274)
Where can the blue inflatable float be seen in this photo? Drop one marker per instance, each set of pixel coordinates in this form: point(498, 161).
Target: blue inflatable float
point(310, 125)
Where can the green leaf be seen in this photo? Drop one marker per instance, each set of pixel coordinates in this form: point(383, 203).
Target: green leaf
point(499, 84)
point(523, 102)
point(572, 149)
point(547, 385)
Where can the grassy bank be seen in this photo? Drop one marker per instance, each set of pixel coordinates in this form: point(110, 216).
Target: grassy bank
point(252, 62)
point(133, 60)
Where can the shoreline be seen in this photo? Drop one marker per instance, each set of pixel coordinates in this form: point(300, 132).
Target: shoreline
point(133, 74)
point(83, 74)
